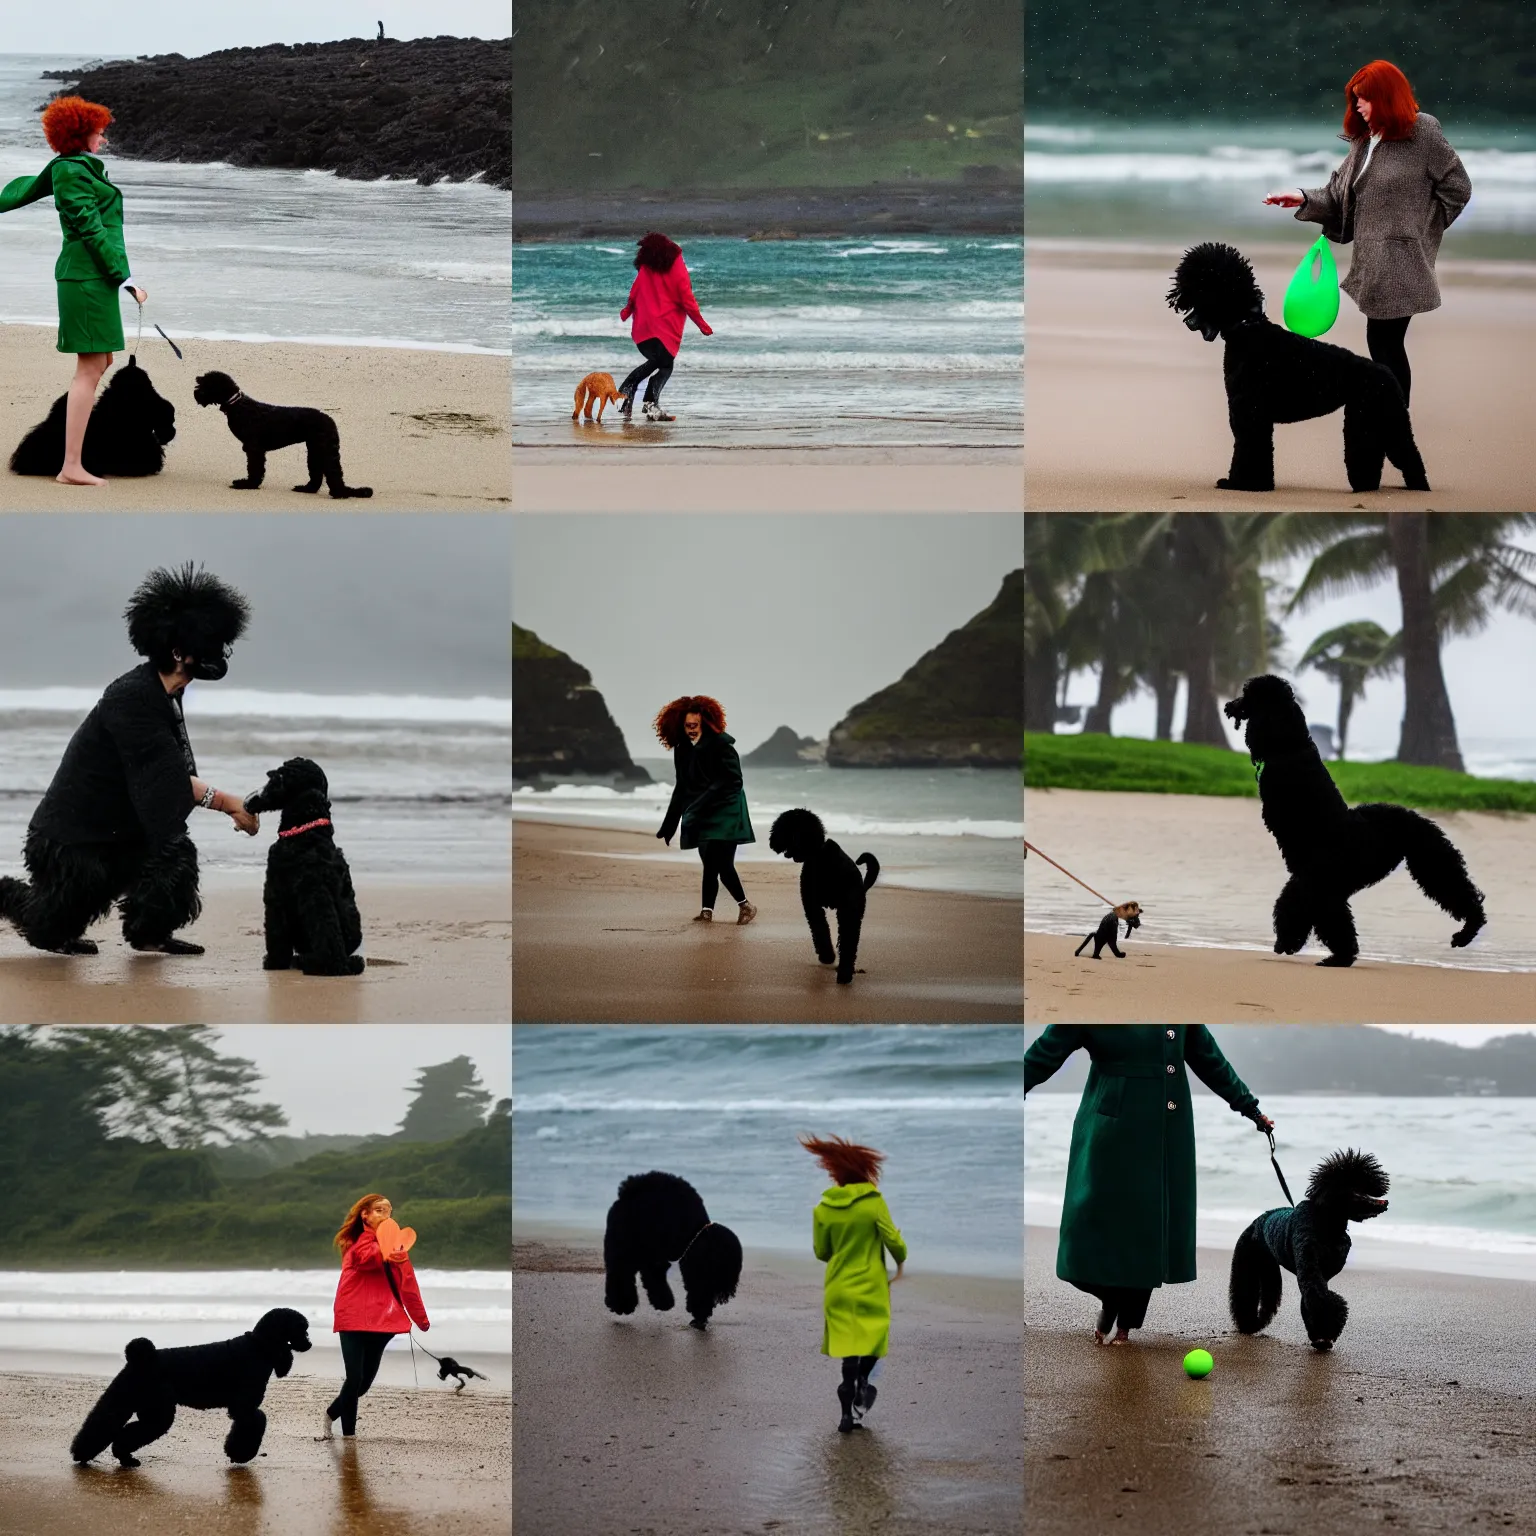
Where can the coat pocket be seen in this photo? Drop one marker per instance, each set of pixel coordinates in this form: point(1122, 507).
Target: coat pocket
point(1111, 1091)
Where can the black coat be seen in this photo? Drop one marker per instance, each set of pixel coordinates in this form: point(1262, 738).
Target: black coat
point(126, 773)
point(708, 798)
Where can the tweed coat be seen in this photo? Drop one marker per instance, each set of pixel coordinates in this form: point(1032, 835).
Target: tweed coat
point(708, 799)
point(1395, 214)
point(1129, 1214)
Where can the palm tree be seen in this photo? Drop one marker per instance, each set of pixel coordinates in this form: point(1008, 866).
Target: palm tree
point(1349, 654)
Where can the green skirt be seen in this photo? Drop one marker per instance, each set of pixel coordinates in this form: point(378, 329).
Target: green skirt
point(90, 317)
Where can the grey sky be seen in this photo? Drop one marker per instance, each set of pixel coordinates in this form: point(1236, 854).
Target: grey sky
point(787, 619)
point(337, 1079)
point(342, 602)
point(107, 29)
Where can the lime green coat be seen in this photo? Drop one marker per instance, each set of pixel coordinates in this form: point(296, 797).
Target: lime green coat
point(851, 1232)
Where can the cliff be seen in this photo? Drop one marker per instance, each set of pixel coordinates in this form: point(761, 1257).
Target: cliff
point(432, 109)
point(561, 728)
point(960, 705)
point(784, 749)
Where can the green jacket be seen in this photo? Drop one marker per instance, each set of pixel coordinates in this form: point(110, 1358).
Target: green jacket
point(708, 798)
point(1128, 1218)
point(851, 1231)
point(90, 212)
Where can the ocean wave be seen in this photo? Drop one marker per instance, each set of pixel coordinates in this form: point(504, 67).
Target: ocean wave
point(893, 248)
point(108, 1311)
point(260, 704)
point(723, 360)
point(224, 1282)
point(595, 1103)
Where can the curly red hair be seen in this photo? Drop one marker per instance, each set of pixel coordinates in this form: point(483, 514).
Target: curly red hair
point(846, 1161)
point(1393, 108)
point(69, 122)
point(669, 723)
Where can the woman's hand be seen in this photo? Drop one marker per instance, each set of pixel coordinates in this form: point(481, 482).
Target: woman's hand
point(399, 1256)
point(1286, 198)
point(706, 327)
point(1263, 1122)
point(139, 294)
point(899, 1272)
point(245, 821)
point(666, 840)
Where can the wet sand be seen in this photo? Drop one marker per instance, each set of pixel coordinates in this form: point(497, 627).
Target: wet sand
point(437, 954)
point(1126, 411)
point(604, 933)
point(644, 1424)
point(427, 430)
point(425, 1463)
point(1421, 1419)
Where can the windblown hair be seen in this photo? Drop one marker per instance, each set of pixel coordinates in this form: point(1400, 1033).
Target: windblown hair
point(846, 1161)
point(1393, 108)
point(669, 723)
point(187, 609)
point(656, 252)
point(69, 122)
point(352, 1228)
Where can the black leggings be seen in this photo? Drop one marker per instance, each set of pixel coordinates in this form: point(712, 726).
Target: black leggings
point(657, 367)
point(1125, 1306)
point(1385, 338)
point(360, 1354)
point(720, 869)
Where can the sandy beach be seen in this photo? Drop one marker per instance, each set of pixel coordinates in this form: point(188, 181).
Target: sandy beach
point(1125, 409)
point(427, 430)
point(436, 953)
point(643, 1424)
point(604, 933)
point(1421, 1419)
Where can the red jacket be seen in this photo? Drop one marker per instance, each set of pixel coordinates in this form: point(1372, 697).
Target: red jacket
point(659, 301)
point(364, 1301)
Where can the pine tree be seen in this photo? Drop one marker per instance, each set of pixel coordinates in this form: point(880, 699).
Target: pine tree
point(449, 1102)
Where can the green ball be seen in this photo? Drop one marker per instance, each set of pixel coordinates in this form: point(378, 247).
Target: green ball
point(1198, 1363)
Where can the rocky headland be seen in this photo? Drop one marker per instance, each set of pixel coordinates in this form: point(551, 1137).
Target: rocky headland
point(784, 749)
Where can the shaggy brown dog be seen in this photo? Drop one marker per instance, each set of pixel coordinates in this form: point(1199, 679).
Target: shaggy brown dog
point(596, 389)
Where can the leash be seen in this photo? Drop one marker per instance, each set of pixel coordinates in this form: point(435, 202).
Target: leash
point(692, 1240)
point(140, 337)
point(411, 1332)
point(1068, 873)
point(1276, 1166)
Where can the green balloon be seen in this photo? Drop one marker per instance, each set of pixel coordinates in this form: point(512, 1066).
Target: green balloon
point(1312, 299)
point(1198, 1363)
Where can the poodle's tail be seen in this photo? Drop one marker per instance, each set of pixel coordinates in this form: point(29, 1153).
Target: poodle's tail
point(13, 898)
point(114, 1407)
point(1435, 863)
point(872, 873)
point(1253, 1293)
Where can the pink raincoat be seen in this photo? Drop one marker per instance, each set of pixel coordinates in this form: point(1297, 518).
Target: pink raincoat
point(659, 301)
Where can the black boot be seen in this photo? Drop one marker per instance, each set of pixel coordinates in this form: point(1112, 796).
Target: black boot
point(845, 1397)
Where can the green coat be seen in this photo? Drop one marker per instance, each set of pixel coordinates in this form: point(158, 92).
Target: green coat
point(1129, 1214)
point(851, 1231)
point(708, 798)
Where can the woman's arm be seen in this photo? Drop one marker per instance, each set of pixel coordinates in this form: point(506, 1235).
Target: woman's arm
point(821, 1236)
point(1325, 205)
point(890, 1235)
point(1203, 1057)
point(675, 804)
point(629, 303)
point(1045, 1057)
point(230, 805)
point(686, 299)
point(74, 195)
point(1450, 186)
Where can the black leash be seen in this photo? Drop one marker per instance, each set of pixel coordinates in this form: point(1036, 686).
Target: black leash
point(1276, 1166)
point(411, 1332)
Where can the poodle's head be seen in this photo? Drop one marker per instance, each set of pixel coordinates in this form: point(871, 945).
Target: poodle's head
point(797, 834)
point(186, 614)
point(298, 783)
point(280, 1334)
point(214, 389)
point(1271, 719)
point(711, 1266)
point(1350, 1184)
point(130, 385)
point(1214, 289)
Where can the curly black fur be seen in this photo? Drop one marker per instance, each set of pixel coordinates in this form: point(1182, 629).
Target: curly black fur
point(311, 911)
point(1332, 850)
point(187, 611)
point(659, 1220)
point(1107, 932)
point(1272, 375)
point(828, 878)
point(129, 427)
point(263, 428)
point(140, 1403)
point(1312, 1241)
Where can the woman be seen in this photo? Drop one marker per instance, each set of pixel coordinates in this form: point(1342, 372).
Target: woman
point(659, 298)
point(376, 1298)
point(1128, 1220)
point(1399, 189)
point(708, 799)
point(92, 267)
point(851, 1232)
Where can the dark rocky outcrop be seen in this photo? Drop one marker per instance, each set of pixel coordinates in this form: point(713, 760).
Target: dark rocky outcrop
point(432, 109)
point(561, 728)
point(784, 749)
point(960, 705)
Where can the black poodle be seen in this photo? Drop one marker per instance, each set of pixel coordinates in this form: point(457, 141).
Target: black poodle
point(311, 911)
point(1273, 375)
point(659, 1220)
point(263, 428)
point(1333, 850)
point(232, 1374)
point(828, 878)
point(129, 427)
point(1312, 1241)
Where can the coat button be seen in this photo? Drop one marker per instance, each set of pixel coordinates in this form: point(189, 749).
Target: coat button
point(1172, 1105)
point(1170, 1034)
point(1170, 1069)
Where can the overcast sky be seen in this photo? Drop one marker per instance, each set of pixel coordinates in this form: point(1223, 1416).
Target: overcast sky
point(1459, 1034)
point(786, 619)
point(114, 30)
point(341, 602)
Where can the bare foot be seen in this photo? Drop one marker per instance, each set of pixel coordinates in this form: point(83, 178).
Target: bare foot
point(78, 477)
point(1122, 1336)
point(1098, 1338)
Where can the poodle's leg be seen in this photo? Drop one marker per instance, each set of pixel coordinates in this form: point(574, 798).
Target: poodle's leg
point(1437, 866)
point(162, 898)
point(581, 390)
point(602, 405)
point(1116, 951)
point(105, 1422)
point(317, 460)
point(1293, 916)
point(152, 1420)
point(351, 918)
point(279, 933)
point(816, 918)
point(1363, 447)
point(699, 1304)
point(1323, 1312)
point(619, 1293)
point(1253, 1290)
point(323, 953)
point(1335, 925)
point(1253, 452)
point(1087, 940)
point(1404, 453)
point(255, 469)
point(243, 1441)
point(654, 1278)
point(850, 920)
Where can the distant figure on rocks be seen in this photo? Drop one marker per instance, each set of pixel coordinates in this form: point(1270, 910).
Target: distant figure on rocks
point(660, 298)
point(380, 37)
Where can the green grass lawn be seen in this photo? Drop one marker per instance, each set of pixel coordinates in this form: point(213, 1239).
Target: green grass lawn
point(1172, 768)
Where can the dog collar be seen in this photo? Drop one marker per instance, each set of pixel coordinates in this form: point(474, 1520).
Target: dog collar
point(309, 826)
point(692, 1240)
point(234, 399)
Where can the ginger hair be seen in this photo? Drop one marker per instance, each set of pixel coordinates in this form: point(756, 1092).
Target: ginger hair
point(1393, 108)
point(846, 1161)
point(669, 723)
point(352, 1228)
point(69, 122)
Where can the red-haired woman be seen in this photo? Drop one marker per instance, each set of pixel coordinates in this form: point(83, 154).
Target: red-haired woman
point(92, 267)
point(708, 800)
point(851, 1233)
point(1399, 189)
point(376, 1298)
point(660, 298)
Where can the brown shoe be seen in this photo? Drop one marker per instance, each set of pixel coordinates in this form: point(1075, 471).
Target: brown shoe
point(705, 916)
point(745, 913)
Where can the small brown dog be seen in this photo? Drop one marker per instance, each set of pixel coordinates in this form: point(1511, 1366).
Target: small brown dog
point(596, 389)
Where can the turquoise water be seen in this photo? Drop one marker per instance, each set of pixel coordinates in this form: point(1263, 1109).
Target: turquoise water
point(914, 340)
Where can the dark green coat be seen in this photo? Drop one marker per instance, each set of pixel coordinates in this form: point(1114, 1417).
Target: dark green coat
point(1129, 1214)
point(90, 213)
point(708, 798)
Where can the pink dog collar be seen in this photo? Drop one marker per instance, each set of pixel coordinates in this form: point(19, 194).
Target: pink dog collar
point(308, 826)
